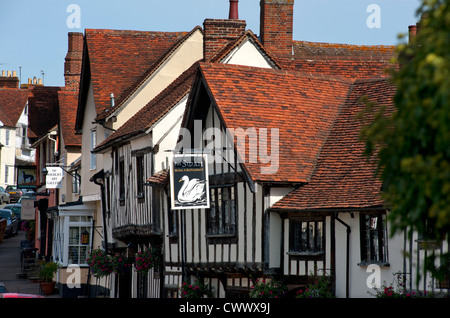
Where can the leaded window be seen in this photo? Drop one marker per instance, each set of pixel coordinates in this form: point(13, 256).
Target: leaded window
point(306, 236)
point(222, 212)
point(374, 245)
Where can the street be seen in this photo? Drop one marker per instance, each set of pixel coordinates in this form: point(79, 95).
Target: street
point(10, 266)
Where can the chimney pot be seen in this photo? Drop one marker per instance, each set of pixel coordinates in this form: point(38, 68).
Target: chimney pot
point(234, 10)
point(8, 73)
point(412, 32)
point(3, 73)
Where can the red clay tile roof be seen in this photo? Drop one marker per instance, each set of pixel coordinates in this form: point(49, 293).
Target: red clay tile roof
point(147, 73)
point(344, 177)
point(159, 179)
point(316, 49)
point(155, 109)
point(350, 68)
point(118, 58)
point(302, 107)
point(68, 103)
point(352, 61)
point(12, 104)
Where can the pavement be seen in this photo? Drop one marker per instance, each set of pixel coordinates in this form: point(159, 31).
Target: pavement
point(10, 268)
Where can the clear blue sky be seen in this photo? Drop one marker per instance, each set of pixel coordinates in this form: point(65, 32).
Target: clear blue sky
point(33, 33)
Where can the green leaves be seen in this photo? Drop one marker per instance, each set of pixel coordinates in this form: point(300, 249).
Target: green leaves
point(412, 143)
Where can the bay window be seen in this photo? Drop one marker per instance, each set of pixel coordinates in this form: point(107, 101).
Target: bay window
point(72, 236)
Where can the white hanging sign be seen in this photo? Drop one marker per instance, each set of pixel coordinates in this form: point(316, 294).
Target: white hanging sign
point(54, 178)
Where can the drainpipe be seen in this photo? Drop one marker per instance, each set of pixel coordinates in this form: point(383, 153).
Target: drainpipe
point(347, 269)
point(98, 179)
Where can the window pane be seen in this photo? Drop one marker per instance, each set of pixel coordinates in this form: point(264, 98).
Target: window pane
point(74, 236)
point(79, 239)
point(374, 238)
point(222, 212)
point(306, 236)
point(74, 257)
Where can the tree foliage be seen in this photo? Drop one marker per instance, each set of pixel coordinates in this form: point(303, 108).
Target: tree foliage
point(412, 143)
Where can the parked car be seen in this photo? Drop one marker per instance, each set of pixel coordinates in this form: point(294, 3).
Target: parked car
point(16, 208)
point(19, 295)
point(14, 193)
point(12, 226)
point(4, 196)
point(3, 288)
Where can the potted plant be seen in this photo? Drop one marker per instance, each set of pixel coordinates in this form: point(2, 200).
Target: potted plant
point(47, 272)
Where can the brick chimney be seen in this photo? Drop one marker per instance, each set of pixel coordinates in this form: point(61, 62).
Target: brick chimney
point(218, 33)
point(9, 80)
point(72, 65)
point(276, 25)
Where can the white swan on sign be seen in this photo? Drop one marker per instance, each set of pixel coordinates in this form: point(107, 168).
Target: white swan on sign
point(191, 190)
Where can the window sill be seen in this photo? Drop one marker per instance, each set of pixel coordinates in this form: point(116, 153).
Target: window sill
point(367, 263)
point(305, 253)
point(221, 238)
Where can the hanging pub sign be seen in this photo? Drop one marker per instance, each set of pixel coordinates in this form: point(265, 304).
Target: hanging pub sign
point(54, 177)
point(27, 209)
point(189, 181)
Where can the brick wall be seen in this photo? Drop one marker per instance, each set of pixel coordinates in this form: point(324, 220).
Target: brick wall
point(218, 33)
point(276, 25)
point(72, 64)
point(11, 81)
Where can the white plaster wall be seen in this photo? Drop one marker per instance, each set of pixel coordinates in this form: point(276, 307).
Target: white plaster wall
point(359, 274)
point(247, 54)
point(89, 190)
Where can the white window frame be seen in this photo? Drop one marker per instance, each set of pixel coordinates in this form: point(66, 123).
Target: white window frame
point(62, 233)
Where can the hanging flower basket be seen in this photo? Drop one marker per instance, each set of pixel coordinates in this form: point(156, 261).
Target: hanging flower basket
point(122, 264)
point(100, 263)
point(148, 259)
point(198, 289)
point(268, 288)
